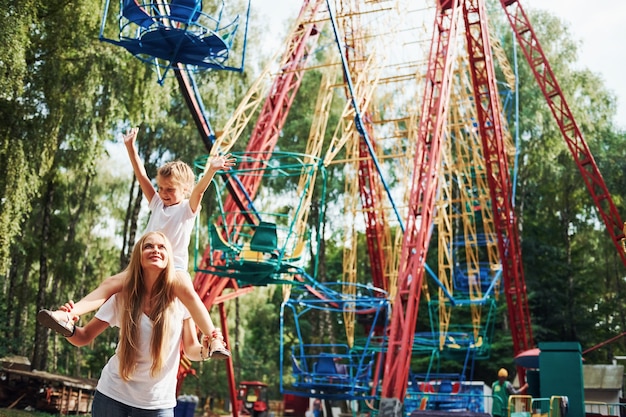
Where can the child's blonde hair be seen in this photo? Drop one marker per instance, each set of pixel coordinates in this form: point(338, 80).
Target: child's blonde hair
point(180, 173)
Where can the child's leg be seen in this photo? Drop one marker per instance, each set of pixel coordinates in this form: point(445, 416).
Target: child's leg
point(190, 298)
point(95, 299)
point(62, 320)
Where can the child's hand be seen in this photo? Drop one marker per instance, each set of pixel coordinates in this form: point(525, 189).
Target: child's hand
point(206, 341)
point(131, 136)
point(68, 307)
point(217, 334)
point(221, 162)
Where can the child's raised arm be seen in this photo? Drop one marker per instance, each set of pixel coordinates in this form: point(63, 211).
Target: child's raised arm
point(138, 168)
point(217, 163)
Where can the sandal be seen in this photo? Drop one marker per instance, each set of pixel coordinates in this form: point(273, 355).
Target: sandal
point(217, 349)
point(51, 320)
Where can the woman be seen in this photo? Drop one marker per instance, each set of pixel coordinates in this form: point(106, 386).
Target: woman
point(140, 379)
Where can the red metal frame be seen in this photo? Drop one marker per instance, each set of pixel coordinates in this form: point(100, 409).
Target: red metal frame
point(422, 201)
point(563, 116)
point(491, 133)
point(276, 107)
point(370, 191)
point(416, 239)
point(263, 139)
point(425, 176)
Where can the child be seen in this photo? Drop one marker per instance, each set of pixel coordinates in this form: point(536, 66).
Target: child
point(172, 214)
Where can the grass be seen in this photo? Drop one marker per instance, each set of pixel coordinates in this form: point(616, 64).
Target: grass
point(6, 412)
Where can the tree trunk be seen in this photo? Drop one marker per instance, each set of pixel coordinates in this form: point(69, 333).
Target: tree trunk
point(130, 222)
point(40, 354)
point(21, 314)
point(126, 231)
point(12, 313)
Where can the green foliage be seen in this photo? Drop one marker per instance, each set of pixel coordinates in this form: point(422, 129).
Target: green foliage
point(15, 43)
point(259, 354)
point(571, 268)
point(64, 209)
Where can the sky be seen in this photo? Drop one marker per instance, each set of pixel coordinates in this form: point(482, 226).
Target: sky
point(597, 27)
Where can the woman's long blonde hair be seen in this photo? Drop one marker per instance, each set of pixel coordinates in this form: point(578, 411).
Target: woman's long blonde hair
point(130, 306)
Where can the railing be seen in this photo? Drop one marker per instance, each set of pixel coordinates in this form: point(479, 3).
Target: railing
point(596, 408)
point(468, 397)
point(527, 406)
point(540, 407)
point(518, 405)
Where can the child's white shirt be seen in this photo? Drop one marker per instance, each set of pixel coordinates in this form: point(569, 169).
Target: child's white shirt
point(176, 222)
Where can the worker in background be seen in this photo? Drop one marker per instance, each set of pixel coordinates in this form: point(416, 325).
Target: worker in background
point(500, 390)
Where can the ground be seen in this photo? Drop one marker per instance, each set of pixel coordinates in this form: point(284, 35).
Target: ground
point(5, 412)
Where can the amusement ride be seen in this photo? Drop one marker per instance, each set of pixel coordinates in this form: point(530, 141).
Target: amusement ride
point(425, 149)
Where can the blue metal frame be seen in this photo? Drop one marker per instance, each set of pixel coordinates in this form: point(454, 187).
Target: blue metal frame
point(332, 371)
point(176, 35)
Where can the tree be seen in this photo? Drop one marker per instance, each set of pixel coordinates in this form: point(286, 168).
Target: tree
point(564, 248)
point(74, 94)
